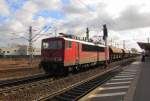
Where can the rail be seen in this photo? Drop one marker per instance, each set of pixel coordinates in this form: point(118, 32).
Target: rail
point(27, 90)
point(76, 91)
point(18, 81)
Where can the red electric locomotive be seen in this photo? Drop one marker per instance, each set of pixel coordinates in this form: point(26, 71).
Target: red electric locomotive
point(61, 54)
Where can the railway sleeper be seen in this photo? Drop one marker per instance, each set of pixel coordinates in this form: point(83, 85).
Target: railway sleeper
point(60, 98)
point(78, 90)
point(76, 93)
point(70, 95)
point(87, 85)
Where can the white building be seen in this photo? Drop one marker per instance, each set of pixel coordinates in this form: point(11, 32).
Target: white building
point(18, 50)
point(36, 51)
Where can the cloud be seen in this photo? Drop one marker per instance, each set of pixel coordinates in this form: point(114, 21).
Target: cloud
point(3, 8)
point(132, 18)
point(22, 18)
point(48, 4)
point(73, 16)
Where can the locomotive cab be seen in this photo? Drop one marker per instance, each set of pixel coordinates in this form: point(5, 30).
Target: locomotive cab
point(52, 54)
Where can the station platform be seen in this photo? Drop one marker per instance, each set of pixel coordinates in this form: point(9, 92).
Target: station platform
point(132, 84)
point(142, 92)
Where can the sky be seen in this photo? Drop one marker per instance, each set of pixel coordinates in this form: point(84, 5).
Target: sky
point(126, 20)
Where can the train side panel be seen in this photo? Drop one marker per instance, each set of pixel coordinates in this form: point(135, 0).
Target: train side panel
point(91, 56)
point(70, 53)
point(77, 53)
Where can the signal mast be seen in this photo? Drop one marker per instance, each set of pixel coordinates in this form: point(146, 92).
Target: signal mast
point(105, 35)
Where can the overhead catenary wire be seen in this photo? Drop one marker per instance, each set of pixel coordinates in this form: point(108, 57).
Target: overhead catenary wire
point(91, 10)
point(88, 7)
point(30, 40)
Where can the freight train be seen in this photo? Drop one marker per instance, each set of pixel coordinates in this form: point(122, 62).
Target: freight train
point(61, 55)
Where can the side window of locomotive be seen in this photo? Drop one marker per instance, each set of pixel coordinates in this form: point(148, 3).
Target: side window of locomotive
point(101, 49)
point(68, 44)
point(91, 48)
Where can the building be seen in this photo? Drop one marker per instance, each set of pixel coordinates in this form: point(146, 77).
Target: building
point(37, 51)
point(18, 50)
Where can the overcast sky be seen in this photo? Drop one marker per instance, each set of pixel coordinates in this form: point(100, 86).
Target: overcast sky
point(126, 19)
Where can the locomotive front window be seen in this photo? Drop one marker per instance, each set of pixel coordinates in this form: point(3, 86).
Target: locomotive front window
point(52, 45)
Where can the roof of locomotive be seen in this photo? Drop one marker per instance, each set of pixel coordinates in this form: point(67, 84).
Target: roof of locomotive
point(75, 40)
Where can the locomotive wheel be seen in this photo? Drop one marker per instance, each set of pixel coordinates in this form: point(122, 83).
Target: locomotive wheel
point(76, 69)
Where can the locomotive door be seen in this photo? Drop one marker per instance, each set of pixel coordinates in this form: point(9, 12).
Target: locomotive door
point(77, 53)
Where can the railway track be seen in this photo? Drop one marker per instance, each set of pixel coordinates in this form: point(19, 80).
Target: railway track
point(74, 93)
point(10, 86)
point(12, 82)
point(43, 87)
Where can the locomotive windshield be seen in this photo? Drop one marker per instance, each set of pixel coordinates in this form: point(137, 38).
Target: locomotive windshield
point(52, 44)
